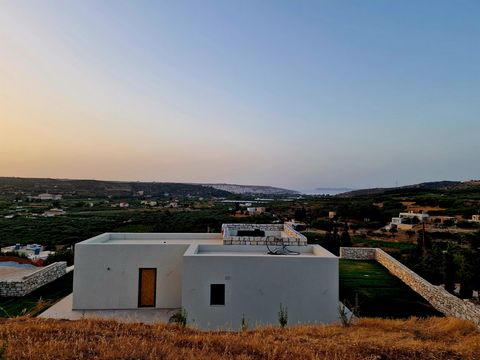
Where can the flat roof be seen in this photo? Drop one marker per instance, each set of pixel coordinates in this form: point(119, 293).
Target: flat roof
point(209, 244)
point(155, 238)
point(308, 251)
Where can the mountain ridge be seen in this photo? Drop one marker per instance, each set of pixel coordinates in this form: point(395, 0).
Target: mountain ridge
point(92, 187)
point(430, 185)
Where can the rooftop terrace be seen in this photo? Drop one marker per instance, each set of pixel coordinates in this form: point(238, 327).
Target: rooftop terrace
point(155, 238)
point(261, 234)
point(309, 251)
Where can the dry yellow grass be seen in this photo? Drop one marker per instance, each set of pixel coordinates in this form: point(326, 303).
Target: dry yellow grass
point(432, 338)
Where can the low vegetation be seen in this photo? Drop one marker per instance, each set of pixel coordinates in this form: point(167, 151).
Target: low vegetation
point(432, 338)
point(37, 301)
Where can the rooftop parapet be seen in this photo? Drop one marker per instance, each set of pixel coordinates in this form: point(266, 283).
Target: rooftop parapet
point(261, 234)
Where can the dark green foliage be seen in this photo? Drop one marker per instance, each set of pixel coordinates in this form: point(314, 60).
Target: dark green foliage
point(467, 275)
point(410, 233)
point(393, 231)
point(325, 225)
point(15, 254)
point(420, 243)
point(431, 264)
point(76, 227)
point(345, 240)
point(467, 225)
point(449, 277)
point(62, 255)
point(300, 214)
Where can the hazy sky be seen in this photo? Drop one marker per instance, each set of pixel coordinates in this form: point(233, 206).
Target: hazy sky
point(298, 94)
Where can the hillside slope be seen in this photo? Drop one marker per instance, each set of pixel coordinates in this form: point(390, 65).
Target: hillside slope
point(253, 189)
point(12, 186)
point(433, 185)
point(432, 338)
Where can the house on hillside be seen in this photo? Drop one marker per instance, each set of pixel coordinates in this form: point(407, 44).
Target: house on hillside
point(246, 272)
point(256, 210)
point(46, 197)
point(408, 220)
point(54, 212)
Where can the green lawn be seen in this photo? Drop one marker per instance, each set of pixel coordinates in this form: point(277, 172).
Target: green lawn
point(380, 293)
point(361, 241)
point(31, 304)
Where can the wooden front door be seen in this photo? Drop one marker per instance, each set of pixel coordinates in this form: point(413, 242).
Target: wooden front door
point(147, 286)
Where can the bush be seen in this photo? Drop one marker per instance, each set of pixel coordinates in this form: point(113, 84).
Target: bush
point(283, 316)
point(62, 255)
point(244, 324)
point(15, 254)
point(179, 318)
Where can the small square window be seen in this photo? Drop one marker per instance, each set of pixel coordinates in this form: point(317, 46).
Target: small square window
point(217, 294)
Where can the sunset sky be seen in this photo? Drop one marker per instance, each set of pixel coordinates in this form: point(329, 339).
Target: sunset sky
point(298, 94)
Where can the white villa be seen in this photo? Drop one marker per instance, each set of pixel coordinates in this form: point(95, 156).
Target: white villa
point(401, 222)
point(246, 272)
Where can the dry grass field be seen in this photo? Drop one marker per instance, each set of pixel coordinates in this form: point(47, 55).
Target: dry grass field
point(431, 338)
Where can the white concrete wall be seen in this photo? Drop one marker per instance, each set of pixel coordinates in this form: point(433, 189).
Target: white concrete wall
point(256, 285)
point(96, 287)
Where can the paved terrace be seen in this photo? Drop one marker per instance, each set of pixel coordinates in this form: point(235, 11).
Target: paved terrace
point(15, 273)
point(63, 310)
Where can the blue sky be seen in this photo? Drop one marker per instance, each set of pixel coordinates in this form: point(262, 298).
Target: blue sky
point(299, 94)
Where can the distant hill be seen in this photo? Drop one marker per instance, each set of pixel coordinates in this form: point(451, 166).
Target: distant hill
point(13, 186)
point(252, 189)
point(434, 185)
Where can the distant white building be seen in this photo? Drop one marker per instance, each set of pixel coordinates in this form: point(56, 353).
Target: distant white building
point(476, 218)
point(296, 225)
point(245, 272)
point(149, 203)
point(32, 251)
point(47, 196)
point(256, 210)
point(405, 221)
point(54, 212)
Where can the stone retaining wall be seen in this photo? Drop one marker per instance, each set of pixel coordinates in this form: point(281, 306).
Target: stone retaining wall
point(32, 281)
point(437, 296)
point(357, 253)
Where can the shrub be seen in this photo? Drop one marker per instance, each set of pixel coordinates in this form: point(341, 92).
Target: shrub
point(283, 316)
point(62, 255)
point(244, 324)
point(179, 318)
point(346, 315)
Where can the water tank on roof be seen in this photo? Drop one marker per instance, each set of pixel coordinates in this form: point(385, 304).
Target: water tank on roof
point(36, 251)
point(17, 246)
